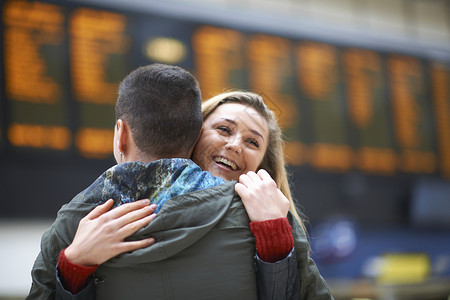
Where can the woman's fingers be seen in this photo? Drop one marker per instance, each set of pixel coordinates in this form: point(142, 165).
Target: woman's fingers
point(122, 215)
point(259, 180)
point(135, 215)
point(134, 245)
point(249, 179)
point(264, 175)
point(126, 208)
point(100, 235)
point(261, 197)
point(130, 228)
point(100, 210)
point(241, 190)
point(254, 177)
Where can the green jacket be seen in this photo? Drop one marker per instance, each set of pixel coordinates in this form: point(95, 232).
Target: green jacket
point(204, 249)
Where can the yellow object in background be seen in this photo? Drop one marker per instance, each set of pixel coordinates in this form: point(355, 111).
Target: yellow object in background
point(400, 268)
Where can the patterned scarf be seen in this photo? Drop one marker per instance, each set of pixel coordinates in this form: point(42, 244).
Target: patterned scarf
point(158, 181)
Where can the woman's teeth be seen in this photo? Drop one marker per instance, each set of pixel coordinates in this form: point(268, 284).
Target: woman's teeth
point(226, 162)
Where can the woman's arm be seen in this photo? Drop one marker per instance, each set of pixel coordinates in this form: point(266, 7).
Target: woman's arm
point(273, 239)
point(276, 263)
point(99, 237)
point(267, 209)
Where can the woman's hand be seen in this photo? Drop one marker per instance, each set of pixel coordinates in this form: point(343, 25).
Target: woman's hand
point(261, 197)
point(100, 235)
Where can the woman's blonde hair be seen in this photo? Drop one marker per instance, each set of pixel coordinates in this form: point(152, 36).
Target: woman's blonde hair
point(273, 161)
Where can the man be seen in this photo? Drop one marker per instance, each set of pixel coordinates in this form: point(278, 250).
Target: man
point(204, 247)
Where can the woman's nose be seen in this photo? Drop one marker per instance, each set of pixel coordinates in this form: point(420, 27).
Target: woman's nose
point(234, 145)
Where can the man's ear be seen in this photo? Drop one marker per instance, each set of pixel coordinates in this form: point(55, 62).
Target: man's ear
point(189, 154)
point(122, 135)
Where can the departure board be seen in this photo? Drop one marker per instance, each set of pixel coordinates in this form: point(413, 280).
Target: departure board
point(100, 58)
point(271, 57)
point(440, 78)
point(342, 108)
point(36, 86)
point(369, 111)
point(320, 84)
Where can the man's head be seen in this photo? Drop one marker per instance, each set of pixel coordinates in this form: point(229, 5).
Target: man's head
point(161, 107)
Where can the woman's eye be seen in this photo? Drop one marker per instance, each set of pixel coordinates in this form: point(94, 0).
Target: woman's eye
point(224, 129)
point(253, 142)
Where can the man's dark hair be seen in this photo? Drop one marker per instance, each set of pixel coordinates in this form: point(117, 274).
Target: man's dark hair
point(162, 105)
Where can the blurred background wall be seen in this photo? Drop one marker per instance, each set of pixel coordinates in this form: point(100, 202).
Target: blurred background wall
point(361, 88)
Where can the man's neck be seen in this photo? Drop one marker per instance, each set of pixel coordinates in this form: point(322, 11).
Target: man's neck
point(152, 158)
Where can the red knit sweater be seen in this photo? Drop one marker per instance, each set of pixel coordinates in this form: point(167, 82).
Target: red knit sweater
point(273, 239)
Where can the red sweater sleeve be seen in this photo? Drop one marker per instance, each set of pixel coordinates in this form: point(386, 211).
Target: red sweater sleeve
point(73, 277)
point(273, 239)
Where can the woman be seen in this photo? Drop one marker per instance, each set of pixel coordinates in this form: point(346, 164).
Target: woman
point(240, 137)
point(250, 107)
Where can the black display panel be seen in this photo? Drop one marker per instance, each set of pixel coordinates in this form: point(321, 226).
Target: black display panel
point(347, 112)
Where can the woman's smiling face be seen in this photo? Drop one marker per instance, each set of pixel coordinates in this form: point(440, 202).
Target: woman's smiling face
point(233, 141)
